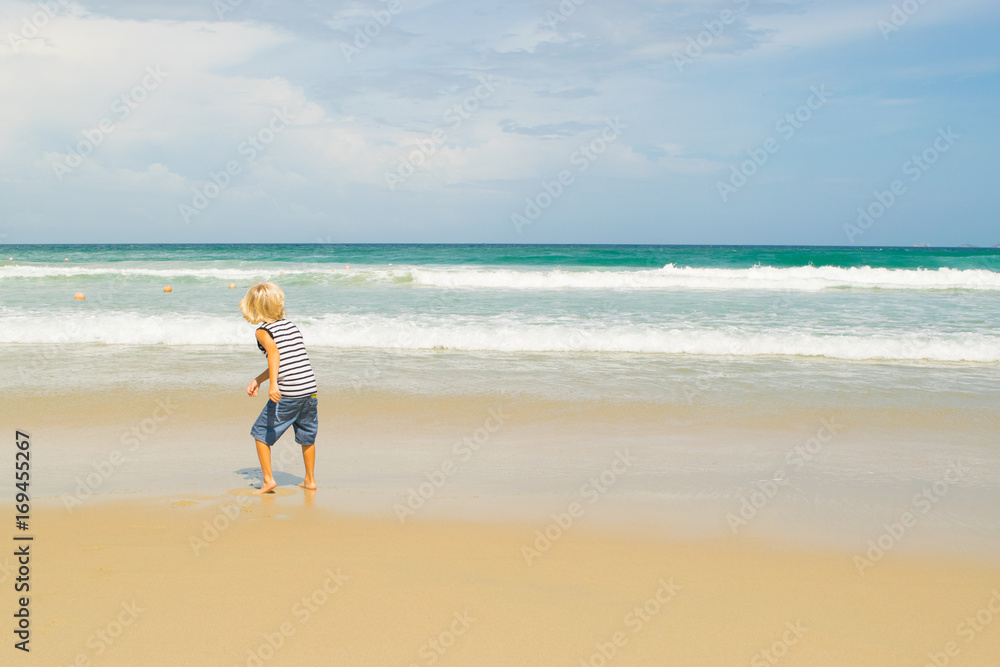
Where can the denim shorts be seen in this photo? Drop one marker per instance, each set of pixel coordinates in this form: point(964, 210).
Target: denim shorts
point(275, 418)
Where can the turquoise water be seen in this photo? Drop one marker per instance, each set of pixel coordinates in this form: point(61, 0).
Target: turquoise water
point(541, 256)
point(893, 304)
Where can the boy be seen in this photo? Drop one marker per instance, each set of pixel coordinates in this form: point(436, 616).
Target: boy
point(292, 388)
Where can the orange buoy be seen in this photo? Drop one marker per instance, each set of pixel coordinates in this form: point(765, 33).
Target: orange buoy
point(232, 285)
point(79, 296)
point(168, 288)
point(65, 259)
point(334, 270)
point(348, 266)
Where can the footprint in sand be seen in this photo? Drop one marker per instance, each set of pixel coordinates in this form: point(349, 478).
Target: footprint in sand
point(250, 491)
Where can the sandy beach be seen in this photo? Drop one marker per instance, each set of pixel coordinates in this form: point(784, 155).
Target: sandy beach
point(236, 580)
point(519, 555)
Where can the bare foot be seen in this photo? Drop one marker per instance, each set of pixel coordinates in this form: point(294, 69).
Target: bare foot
point(266, 487)
point(309, 484)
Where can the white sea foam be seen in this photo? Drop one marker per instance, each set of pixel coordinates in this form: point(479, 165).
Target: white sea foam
point(499, 334)
point(802, 278)
point(221, 273)
point(807, 278)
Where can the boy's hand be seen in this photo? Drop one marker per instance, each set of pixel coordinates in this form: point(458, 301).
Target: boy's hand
point(274, 394)
point(252, 388)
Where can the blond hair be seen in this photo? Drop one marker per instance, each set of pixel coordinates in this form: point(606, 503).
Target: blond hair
point(264, 302)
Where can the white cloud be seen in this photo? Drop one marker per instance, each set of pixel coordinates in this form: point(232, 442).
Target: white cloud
point(353, 120)
point(823, 25)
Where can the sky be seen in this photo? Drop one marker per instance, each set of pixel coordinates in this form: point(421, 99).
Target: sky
point(556, 121)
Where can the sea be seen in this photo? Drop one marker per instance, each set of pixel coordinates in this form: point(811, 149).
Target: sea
point(716, 361)
point(890, 304)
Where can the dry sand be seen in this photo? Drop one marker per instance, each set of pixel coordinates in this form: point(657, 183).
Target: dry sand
point(279, 581)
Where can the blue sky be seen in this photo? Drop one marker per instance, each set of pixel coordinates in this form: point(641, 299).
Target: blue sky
point(533, 122)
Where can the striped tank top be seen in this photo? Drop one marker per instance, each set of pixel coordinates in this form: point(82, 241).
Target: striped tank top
point(295, 374)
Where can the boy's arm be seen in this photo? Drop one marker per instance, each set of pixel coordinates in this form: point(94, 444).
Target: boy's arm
point(257, 382)
point(273, 358)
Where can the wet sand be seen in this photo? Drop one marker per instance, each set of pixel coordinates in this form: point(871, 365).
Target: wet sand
point(166, 558)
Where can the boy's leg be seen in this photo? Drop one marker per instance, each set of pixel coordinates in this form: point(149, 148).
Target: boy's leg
point(306, 426)
point(264, 455)
point(309, 459)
